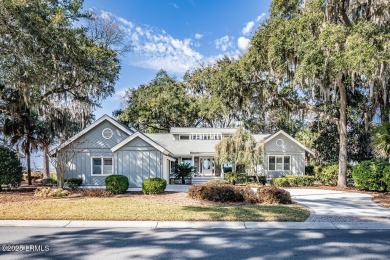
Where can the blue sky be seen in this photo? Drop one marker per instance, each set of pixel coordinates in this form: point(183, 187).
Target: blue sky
point(177, 36)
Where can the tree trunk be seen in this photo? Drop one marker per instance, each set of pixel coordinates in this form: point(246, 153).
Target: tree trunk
point(28, 168)
point(46, 172)
point(342, 127)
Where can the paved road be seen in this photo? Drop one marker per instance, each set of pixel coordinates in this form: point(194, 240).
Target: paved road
point(196, 243)
point(339, 206)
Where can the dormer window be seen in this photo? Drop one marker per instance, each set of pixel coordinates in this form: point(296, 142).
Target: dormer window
point(184, 137)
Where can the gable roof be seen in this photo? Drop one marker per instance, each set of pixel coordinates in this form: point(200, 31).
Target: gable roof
point(144, 138)
point(92, 126)
point(291, 138)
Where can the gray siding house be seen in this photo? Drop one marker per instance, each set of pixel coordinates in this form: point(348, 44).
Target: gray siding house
point(107, 147)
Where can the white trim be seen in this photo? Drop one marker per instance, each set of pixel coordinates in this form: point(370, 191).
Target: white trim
point(144, 138)
point(291, 138)
point(90, 127)
point(102, 165)
point(278, 155)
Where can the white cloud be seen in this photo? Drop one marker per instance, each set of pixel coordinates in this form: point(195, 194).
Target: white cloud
point(260, 17)
point(248, 27)
point(198, 36)
point(156, 49)
point(174, 5)
point(224, 43)
point(243, 43)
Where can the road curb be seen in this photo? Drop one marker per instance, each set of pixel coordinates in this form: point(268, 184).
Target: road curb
point(194, 224)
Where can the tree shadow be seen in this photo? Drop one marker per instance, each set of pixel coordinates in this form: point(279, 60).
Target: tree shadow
point(198, 243)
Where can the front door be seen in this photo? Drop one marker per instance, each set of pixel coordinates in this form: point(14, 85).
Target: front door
point(206, 166)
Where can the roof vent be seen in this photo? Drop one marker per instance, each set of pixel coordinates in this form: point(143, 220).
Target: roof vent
point(107, 133)
point(279, 142)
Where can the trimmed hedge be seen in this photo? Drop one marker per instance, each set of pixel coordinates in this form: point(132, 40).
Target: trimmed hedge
point(244, 178)
point(73, 183)
point(117, 183)
point(273, 195)
point(368, 175)
point(216, 182)
point(222, 193)
point(293, 181)
point(154, 186)
point(47, 192)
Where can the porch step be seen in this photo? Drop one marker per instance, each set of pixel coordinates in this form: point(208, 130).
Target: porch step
point(203, 179)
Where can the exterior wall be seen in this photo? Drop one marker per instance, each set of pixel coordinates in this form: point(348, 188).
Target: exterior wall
point(90, 145)
point(139, 161)
point(296, 153)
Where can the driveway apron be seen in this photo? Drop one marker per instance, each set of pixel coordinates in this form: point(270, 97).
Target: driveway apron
point(339, 206)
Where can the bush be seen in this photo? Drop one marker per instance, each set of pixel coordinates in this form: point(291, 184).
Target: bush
point(328, 174)
point(73, 183)
point(262, 179)
point(53, 175)
point(386, 177)
point(117, 183)
point(95, 193)
point(49, 181)
point(292, 181)
point(273, 195)
point(235, 177)
point(368, 175)
point(10, 168)
point(50, 192)
point(154, 186)
point(222, 193)
point(309, 170)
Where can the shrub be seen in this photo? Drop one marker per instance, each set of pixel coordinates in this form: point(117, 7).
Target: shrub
point(368, 175)
point(95, 193)
point(235, 177)
point(10, 168)
point(50, 192)
point(53, 175)
point(309, 170)
point(386, 177)
point(49, 181)
point(262, 179)
point(328, 174)
point(154, 186)
point(281, 182)
point(73, 183)
point(273, 195)
point(222, 193)
point(117, 183)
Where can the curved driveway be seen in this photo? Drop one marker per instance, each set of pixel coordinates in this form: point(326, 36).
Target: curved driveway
point(339, 206)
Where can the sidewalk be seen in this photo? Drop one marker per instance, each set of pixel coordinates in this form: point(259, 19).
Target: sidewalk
point(192, 225)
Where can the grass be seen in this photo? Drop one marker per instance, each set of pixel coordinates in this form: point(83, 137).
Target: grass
point(141, 209)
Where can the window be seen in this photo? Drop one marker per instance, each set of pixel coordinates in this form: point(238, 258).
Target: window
point(107, 133)
point(186, 160)
point(279, 163)
point(102, 166)
point(184, 137)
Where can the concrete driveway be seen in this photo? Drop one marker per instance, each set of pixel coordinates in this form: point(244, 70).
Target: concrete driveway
point(339, 206)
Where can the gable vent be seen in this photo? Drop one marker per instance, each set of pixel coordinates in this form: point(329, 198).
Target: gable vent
point(107, 133)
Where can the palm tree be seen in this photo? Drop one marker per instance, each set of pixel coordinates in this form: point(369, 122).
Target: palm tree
point(183, 170)
point(22, 130)
point(381, 140)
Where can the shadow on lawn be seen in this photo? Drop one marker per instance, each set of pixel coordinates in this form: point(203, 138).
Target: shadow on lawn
point(195, 243)
point(251, 213)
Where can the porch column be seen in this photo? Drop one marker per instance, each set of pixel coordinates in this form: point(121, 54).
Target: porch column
point(193, 165)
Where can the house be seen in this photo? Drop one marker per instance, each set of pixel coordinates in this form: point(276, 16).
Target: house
point(107, 147)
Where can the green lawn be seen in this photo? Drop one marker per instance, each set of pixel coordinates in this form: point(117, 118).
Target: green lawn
point(114, 208)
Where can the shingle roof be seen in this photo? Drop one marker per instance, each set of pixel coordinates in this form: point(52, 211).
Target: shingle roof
point(184, 147)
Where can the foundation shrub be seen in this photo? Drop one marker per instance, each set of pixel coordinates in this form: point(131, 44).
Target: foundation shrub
point(117, 183)
point(154, 186)
point(47, 192)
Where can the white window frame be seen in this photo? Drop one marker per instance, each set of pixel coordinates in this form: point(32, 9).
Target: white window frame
point(102, 165)
point(278, 155)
